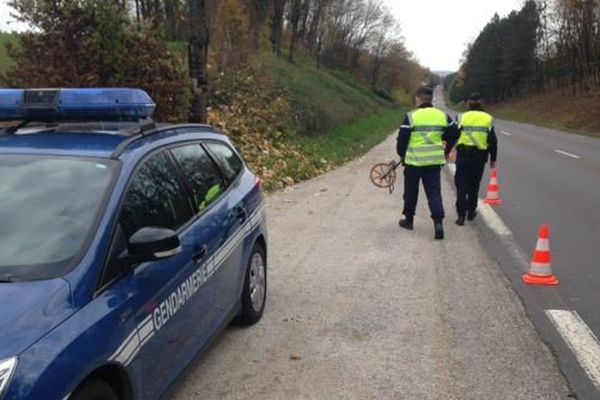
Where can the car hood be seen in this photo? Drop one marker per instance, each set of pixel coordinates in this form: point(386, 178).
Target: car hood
point(29, 310)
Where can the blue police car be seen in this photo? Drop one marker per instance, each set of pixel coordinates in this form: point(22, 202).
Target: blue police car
point(125, 246)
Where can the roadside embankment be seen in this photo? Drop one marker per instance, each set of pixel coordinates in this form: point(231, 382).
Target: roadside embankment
point(576, 113)
point(293, 122)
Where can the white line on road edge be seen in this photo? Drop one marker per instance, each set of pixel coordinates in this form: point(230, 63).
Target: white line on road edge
point(564, 153)
point(493, 220)
point(490, 217)
point(580, 339)
point(574, 331)
point(506, 133)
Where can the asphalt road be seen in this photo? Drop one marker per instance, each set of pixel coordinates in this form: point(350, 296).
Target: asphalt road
point(553, 177)
point(376, 312)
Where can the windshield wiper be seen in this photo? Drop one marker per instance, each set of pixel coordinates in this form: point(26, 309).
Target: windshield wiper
point(12, 129)
point(8, 279)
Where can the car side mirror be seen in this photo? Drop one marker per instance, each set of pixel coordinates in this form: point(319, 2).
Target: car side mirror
point(153, 243)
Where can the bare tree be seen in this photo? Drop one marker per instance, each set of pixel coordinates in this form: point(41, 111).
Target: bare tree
point(369, 19)
point(259, 10)
point(277, 25)
point(382, 42)
point(198, 59)
point(294, 20)
point(315, 29)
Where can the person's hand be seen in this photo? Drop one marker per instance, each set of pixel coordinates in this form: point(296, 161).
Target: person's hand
point(493, 164)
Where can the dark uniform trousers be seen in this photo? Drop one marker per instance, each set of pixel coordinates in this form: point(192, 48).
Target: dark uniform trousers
point(469, 171)
point(433, 190)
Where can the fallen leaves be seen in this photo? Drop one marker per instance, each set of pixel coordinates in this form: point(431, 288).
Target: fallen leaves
point(257, 116)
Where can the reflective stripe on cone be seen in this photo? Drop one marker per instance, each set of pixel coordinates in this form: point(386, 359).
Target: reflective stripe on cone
point(493, 192)
point(540, 272)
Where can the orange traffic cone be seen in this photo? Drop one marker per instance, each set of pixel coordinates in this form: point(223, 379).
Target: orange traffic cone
point(493, 193)
point(540, 272)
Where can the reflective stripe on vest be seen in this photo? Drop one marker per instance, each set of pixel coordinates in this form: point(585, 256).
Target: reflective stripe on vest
point(425, 147)
point(474, 129)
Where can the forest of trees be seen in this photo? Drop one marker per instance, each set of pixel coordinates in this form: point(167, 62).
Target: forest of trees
point(358, 36)
point(546, 46)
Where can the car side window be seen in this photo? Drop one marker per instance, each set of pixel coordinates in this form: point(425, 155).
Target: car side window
point(228, 160)
point(155, 197)
point(202, 173)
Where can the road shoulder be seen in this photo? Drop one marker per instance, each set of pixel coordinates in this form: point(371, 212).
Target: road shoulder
point(376, 312)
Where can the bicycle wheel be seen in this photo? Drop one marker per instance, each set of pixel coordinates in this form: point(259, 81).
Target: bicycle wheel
point(383, 175)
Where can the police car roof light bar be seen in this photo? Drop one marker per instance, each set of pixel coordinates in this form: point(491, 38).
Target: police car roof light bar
point(95, 104)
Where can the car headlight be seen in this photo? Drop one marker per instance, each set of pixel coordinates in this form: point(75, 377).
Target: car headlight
point(7, 368)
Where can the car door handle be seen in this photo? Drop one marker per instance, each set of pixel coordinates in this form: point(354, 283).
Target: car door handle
point(199, 254)
point(240, 214)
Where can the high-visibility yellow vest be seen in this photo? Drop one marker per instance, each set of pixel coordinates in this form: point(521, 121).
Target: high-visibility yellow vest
point(474, 129)
point(211, 195)
point(426, 147)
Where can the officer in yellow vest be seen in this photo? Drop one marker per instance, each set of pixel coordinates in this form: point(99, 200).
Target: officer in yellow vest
point(425, 138)
point(477, 140)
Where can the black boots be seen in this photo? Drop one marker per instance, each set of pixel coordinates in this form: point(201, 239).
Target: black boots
point(406, 223)
point(439, 230)
point(470, 217)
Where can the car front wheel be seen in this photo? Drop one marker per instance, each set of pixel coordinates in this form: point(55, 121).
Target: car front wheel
point(254, 294)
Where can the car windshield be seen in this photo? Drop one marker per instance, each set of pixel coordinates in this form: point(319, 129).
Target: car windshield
point(48, 206)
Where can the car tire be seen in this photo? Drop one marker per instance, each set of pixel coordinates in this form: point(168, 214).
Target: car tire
point(95, 390)
point(254, 293)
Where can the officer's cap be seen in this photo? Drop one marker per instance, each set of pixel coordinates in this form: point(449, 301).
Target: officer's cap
point(424, 91)
point(475, 96)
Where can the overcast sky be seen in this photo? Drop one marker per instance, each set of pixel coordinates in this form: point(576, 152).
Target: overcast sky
point(436, 31)
point(6, 22)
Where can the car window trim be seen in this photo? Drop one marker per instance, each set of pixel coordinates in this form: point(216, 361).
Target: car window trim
point(183, 181)
point(195, 217)
point(211, 154)
point(217, 165)
point(99, 287)
point(225, 193)
point(187, 181)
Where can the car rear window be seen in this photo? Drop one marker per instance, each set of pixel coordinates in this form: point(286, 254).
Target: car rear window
point(229, 161)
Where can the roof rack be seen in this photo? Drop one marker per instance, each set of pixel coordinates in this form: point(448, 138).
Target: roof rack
point(12, 129)
point(137, 126)
point(153, 131)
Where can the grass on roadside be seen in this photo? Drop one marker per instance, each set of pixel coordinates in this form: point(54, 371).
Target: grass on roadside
point(353, 140)
point(344, 143)
point(323, 99)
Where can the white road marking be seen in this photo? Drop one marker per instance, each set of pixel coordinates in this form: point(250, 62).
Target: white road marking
point(580, 339)
point(490, 217)
point(493, 220)
point(564, 153)
point(574, 331)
